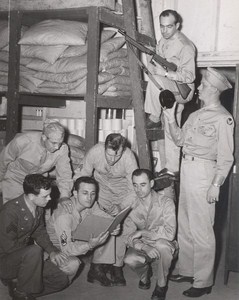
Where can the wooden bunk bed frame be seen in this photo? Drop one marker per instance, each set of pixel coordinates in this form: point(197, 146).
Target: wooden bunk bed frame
point(96, 17)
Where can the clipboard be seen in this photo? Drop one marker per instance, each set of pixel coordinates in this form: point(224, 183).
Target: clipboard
point(118, 219)
point(94, 225)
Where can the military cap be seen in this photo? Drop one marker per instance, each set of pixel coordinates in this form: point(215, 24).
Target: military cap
point(217, 79)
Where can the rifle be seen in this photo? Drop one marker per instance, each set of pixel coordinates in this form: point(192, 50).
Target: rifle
point(183, 88)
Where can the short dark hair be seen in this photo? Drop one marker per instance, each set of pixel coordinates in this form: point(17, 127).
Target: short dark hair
point(138, 172)
point(33, 183)
point(167, 12)
point(85, 179)
point(114, 141)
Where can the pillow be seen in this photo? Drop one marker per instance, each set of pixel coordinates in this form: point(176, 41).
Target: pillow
point(4, 34)
point(115, 63)
point(3, 66)
point(55, 32)
point(110, 46)
point(62, 65)
point(62, 77)
point(47, 53)
point(4, 56)
point(57, 85)
point(81, 50)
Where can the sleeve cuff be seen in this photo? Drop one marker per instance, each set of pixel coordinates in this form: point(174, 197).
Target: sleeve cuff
point(218, 180)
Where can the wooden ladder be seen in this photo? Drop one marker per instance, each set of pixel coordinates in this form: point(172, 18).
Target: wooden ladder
point(94, 101)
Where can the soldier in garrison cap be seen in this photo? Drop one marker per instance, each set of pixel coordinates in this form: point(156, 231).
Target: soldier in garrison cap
point(206, 139)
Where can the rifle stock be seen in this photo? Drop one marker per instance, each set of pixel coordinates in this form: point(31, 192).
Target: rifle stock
point(183, 88)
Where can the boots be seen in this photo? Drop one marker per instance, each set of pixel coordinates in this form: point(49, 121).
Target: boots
point(22, 296)
point(97, 274)
point(11, 284)
point(117, 276)
point(159, 293)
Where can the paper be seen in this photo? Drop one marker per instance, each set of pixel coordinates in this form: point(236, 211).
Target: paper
point(93, 225)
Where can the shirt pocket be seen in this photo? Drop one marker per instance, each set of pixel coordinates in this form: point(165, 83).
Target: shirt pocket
point(207, 130)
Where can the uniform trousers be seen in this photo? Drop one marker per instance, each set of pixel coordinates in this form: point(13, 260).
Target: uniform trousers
point(34, 275)
point(195, 222)
point(171, 155)
point(139, 261)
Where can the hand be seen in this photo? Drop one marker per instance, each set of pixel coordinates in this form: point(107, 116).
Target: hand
point(58, 258)
point(213, 194)
point(114, 210)
point(99, 240)
point(150, 251)
point(135, 235)
point(169, 113)
point(116, 231)
point(156, 69)
point(66, 203)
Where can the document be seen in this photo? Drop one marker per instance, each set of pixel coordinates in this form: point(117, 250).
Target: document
point(93, 225)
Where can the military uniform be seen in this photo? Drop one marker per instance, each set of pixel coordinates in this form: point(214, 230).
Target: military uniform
point(160, 222)
point(60, 227)
point(21, 259)
point(115, 184)
point(25, 155)
point(207, 140)
point(180, 51)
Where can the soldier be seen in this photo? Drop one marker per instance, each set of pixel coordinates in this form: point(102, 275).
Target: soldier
point(207, 145)
point(36, 152)
point(21, 220)
point(112, 164)
point(150, 228)
point(176, 48)
point(62, 224)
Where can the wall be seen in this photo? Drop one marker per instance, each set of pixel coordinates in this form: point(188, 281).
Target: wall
point(212, 25)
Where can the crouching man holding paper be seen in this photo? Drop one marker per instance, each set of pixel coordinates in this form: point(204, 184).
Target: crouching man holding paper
point(62, 225)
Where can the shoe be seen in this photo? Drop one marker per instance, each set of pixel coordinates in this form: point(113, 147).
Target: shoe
point(146, 285)
point(117, 276)
point(181, 278)
point(197, 292)
point(153, 125)
point(21, 296)
point(11, 284)
point(97, 274)
point(159, 293)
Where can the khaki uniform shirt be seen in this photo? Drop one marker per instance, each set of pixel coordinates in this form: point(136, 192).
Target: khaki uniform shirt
point(115, 183)
point(60, 227)
point(25, 155)
point(180, 51)
point(159, 220)
point(208, 134)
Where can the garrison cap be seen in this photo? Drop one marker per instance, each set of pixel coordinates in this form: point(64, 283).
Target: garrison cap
point(217, 79)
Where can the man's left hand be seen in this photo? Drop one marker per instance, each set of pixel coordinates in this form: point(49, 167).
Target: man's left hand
point(58, 258)
point(213, 194)
point(66, 203)
point(116, 231)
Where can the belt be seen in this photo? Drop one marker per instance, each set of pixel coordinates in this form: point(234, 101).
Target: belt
point(192, 158)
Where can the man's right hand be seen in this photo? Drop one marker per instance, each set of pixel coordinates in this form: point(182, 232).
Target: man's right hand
point(150, 251)
point(66, 203)
point(169, 113)
point(99, 240)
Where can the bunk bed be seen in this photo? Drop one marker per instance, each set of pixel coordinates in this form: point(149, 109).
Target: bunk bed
point(96, 18)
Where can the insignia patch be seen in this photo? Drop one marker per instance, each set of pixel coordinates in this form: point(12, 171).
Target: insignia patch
point(11, 227)
point(229, 121)
point(63, 238)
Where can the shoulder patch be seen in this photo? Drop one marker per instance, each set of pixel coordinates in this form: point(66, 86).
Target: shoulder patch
point(63, 238)
point(229, 121)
